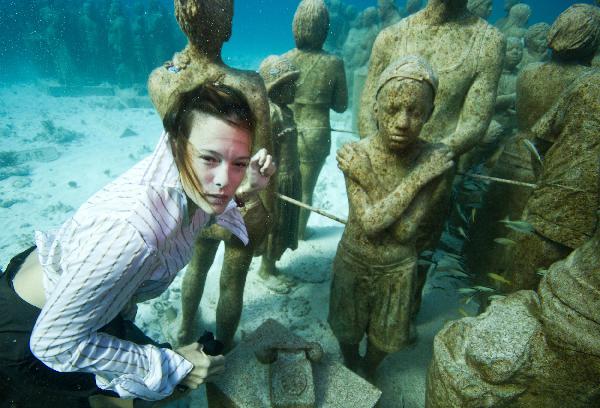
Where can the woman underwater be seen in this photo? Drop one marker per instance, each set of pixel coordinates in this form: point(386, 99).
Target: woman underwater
point(67, 303)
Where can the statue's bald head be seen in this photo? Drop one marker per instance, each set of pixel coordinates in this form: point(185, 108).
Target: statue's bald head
point(206, 23)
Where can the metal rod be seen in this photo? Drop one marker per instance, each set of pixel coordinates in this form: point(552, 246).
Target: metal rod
point(328, 128)
point(313, 209)
point(499, 180)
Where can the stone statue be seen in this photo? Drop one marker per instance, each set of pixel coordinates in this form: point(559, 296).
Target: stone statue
point(504, 110)
point(207, 26)
point(481, 8)
point(321, 87)
point(564, 208)
point(89, 40)
point(441, 33)
point(536, 45)
point(516, 24)
point(538, 86)
point(120, 43)
point(339, 25)
point(528, 350)
point(358, 45)
point(280, 79)
point(392, 180)
point(508, 4)
point(388, 12)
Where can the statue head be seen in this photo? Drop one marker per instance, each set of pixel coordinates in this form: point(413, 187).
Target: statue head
point(206, 23)
point(535, 37)
point(404, 101)
point(575, 34)
point(519, 14)
point(514, 52)
point(280, 77)
point(369, 17)
point(311, 24)
point(481, 8)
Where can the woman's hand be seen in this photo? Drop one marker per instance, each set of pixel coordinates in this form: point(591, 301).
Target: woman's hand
point(205, 366)
point(259, 172)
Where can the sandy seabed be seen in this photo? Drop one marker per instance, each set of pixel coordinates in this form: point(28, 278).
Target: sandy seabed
point(105, 135)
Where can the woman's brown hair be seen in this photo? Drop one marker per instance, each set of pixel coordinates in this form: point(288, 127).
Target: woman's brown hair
point(217, 100)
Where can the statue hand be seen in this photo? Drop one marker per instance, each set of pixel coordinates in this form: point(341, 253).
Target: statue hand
point(353, 163)
point(436, 161)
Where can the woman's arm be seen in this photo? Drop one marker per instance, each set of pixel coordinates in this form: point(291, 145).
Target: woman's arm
point(103, 262)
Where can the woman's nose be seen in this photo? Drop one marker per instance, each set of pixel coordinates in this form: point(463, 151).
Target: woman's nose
point(221, 179)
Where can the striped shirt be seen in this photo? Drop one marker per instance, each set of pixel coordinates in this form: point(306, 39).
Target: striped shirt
point(123, 246)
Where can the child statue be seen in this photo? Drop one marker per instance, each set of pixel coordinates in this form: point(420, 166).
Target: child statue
point(391, 179)
point(536, 45)
point(321, 87)
point(280, 79)
point(516, 25)
point(466, 53)
point(207, 24)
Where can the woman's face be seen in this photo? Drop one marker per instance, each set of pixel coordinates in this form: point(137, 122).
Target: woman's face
point(219, 154)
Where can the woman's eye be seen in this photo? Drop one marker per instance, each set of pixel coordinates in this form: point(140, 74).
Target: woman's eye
point(241, 165)
point(208, 159)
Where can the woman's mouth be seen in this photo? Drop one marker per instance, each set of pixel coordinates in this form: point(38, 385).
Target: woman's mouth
point(217, 199)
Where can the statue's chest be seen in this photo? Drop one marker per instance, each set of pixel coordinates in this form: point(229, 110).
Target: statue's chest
point(452, 52)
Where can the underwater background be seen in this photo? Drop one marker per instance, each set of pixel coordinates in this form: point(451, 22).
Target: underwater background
point(74, 114)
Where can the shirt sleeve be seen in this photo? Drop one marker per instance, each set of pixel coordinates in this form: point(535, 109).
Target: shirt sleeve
point(103, 262)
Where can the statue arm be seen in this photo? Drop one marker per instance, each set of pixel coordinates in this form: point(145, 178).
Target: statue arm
point(376, 216)
point(479, 103)
point(258, 100)
point(379, 60)
point(426, 200)
point(340, 88)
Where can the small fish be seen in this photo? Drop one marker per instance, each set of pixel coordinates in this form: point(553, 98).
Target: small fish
point(499, 278)
point(468, 300)
point(542, 272)
point(473, 213)
point(531, 147)
point(504, 241)
point(483, 289)
point(462, 312)
point(437, 287)
point(519, 226)
point(462, 233)
point(462, 215)
point(467, 291)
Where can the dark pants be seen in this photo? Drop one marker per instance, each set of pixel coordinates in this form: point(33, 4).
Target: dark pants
point(25, 382)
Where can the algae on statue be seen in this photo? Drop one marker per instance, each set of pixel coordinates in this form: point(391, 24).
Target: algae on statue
point(538, 86)
point(393, 180)
point(441, 33)
point(321, 87)
point(207, 26)
point(528, 350)
point(280, 79)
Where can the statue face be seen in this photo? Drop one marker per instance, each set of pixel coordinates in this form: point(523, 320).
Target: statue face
point(403, 106)
point(538, 42)
point(484, 10)
point(514, 53)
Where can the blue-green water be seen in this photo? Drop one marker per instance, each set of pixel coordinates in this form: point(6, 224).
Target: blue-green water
point(86, 141)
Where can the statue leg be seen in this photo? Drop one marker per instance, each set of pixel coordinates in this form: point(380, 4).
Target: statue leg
point(192, 286)
point(309, 172)
point(373, 358)
point(233, 279)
